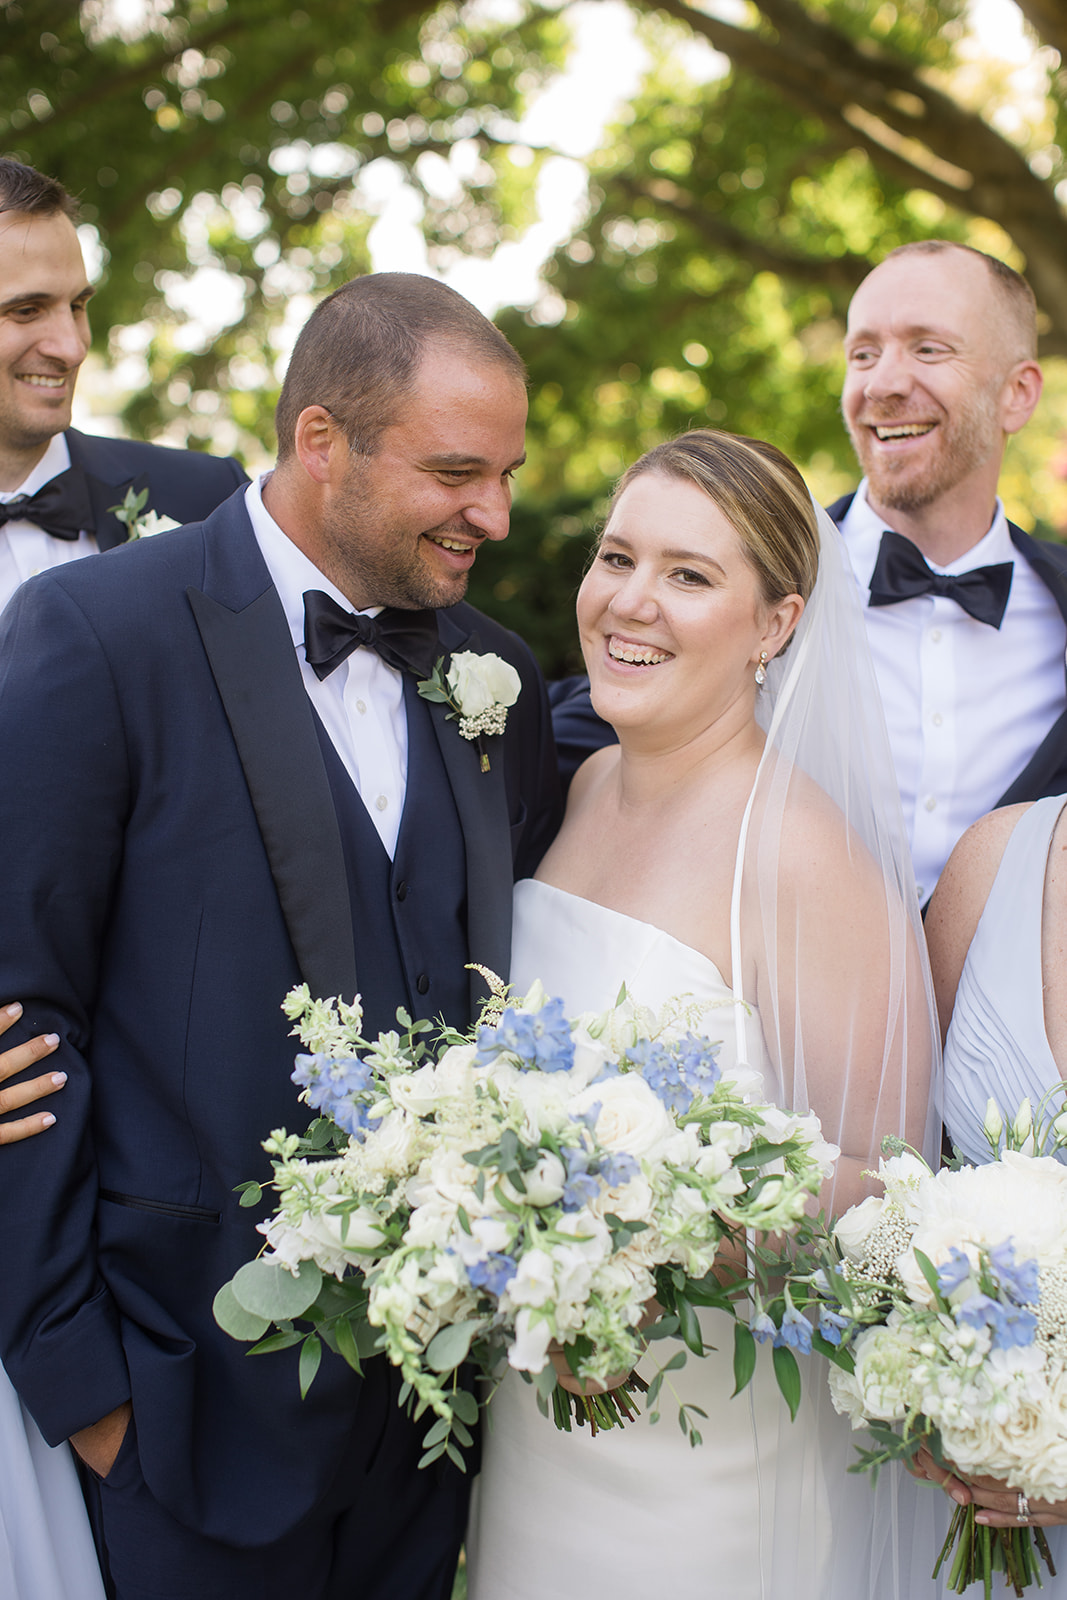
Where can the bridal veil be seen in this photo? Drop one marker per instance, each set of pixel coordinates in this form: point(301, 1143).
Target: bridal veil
point(826, 928)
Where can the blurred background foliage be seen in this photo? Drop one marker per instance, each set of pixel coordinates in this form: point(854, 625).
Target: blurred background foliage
point(225, 150)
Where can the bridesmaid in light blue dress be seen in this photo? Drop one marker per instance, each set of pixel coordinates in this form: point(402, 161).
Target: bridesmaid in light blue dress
point(46, 1548)
point(997, 929)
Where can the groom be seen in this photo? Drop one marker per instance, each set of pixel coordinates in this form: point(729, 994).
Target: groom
point(221, 795)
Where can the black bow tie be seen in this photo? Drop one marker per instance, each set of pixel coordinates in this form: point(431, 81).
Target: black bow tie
point(404, 639)
point(61, 507)
point(900, 573)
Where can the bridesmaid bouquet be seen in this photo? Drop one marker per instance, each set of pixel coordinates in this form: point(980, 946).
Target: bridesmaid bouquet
point(949, 1299)
point(482, 1198)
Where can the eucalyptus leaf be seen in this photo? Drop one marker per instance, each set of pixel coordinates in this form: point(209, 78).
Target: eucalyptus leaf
point(449, 1346)
point(268, 1289)
point(233, 1319)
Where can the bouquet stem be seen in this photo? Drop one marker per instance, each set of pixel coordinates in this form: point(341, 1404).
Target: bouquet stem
point(612, 1409)
point(981, 1551)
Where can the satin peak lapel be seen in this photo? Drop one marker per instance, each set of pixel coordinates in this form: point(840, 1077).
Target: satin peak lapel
point(255, 668)
point(482, 802)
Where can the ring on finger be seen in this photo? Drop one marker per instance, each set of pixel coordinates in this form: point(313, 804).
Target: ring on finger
point(1023, 1511)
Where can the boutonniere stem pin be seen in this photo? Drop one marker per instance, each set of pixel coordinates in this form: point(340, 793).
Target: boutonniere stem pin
point(479, 690)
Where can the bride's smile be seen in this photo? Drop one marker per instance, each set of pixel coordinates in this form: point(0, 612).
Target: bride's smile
point(672, 616)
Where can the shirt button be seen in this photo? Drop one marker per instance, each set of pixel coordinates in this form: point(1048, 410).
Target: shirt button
point(361, 707)
point(935, 635)
point(422, 983)
point(920, 892)
point(401, 890)
point(381, 802)
point(937, 719)
point(930, 803)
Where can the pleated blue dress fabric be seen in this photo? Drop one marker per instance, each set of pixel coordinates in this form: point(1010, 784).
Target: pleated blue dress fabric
point(997, 1045)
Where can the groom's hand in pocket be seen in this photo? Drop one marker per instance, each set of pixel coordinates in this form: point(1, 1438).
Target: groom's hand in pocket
point(99, 1444)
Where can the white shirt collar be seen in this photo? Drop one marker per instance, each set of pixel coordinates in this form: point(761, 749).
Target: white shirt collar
point(292, 572)
point(55, 460)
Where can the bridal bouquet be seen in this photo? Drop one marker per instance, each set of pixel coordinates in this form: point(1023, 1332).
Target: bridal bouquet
point(949, 1298)
point(479, 1198)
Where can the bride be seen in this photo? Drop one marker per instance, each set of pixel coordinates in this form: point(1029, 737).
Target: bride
point(742, 843)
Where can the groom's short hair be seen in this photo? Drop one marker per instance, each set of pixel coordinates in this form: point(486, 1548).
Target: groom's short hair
point(359, 353)
point(31, 193)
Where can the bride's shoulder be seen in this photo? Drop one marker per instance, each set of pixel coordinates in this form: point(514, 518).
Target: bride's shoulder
point(592, 770)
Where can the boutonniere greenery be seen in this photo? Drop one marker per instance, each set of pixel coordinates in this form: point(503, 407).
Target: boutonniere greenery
point(479, 690)
point(141, 523)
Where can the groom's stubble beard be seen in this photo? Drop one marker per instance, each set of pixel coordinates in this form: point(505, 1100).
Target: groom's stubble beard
point(376, 565)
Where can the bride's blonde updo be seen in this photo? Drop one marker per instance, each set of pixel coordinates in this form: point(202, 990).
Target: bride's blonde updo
point(761, 494)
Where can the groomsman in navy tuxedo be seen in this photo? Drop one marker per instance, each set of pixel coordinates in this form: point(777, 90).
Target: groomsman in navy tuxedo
point(229, 784)
point(58, 486)
point(965, 612)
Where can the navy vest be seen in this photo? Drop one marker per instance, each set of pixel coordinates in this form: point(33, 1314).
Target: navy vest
point(409, 915)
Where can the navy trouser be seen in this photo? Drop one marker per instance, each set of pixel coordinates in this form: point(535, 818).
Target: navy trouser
point(384, 1530)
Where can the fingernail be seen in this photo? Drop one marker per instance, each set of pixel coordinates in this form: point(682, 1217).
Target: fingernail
point(59, 1079)
point(960, 1499)
point(47, 1120)
point(51, 1038)
point(13, 1010)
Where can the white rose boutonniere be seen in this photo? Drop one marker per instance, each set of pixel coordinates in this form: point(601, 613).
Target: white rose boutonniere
point(479, 690)
point(141, 523)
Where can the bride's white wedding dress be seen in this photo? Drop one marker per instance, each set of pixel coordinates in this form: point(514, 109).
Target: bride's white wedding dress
point(638, 1512)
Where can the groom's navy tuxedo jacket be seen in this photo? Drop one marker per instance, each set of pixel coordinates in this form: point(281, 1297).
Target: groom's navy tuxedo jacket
point(184, 485)
point(176, 855)
point(579, 731)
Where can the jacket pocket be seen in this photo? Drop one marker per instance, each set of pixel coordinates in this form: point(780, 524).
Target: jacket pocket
point(161, 1208)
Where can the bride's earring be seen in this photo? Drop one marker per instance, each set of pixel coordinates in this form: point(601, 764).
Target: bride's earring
point(761, 670)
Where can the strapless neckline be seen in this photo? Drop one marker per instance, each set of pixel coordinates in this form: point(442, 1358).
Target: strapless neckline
point(533, 887)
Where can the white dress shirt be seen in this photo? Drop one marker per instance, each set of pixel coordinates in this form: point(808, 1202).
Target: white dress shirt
point(25, 549)
point(967, 705)
point(361, 703)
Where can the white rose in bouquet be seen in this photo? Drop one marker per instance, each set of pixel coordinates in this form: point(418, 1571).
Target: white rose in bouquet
point(855, 1227)
point(417, 1092)
point(632, 1118)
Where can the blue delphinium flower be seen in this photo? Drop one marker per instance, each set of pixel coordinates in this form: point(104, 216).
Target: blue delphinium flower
point(795, 1331)
point(494, 1273)
point(618, 1168)
point(699, 1063)
point(677, 1071)
point(954, 1272)
point(1018, 1279)
point(581, 1186)
point(541, 1039)
point(1009, 1325)
point(333, 1086)
point(661, 1070)
point(762, 1328)
point(833, 1325)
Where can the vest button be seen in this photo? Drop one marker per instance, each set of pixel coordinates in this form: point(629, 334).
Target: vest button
point(422, 983)
point(402, 890)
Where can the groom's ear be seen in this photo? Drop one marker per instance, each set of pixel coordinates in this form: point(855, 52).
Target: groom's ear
point(319, 443)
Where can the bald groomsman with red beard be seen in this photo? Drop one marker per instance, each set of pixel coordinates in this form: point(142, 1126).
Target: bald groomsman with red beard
point(965, 612)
